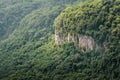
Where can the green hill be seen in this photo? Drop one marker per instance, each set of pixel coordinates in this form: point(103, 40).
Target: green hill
point(27, 46)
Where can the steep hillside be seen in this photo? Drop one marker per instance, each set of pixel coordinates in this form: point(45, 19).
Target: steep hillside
point(12, 11)
point(28, 51)
point(101, 20)
point(98, 19)
point(26, 32)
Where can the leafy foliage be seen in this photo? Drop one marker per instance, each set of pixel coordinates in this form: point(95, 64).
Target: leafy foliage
point(28, 51)
point(99, 19)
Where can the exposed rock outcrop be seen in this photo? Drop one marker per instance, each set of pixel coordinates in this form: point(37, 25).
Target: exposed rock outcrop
point(84, 42)
point(57, 38)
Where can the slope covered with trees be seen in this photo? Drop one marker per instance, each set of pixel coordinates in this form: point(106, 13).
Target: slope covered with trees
point(101, 20)
point(28, 50)
point(12, 11)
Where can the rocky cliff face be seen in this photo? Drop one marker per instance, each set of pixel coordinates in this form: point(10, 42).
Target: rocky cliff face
point(84, 42)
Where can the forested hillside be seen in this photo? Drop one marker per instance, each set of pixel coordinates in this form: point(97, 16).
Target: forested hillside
point(27, 46)
point(12, 11)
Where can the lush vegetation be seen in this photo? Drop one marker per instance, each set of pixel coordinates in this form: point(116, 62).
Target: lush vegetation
point(101, 20)
point(28, 51)
point(12, 11)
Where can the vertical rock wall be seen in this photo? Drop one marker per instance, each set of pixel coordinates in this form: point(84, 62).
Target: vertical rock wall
point(57, 38)
point(84, 42)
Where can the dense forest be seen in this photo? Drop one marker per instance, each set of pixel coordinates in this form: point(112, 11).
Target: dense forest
point(27, 46)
